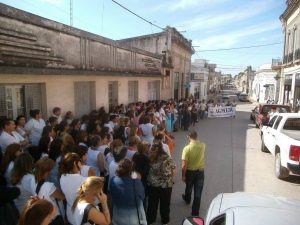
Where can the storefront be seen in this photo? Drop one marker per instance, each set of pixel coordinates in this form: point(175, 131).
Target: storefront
point(296, 103)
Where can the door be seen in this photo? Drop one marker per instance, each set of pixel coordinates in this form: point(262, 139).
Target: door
point(12, 101)
point(153, 90)
point(113, 94)
point(85, 97)
point(132, 91)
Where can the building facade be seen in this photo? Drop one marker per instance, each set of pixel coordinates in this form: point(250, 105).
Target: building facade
point(44, 64)
point(199, 79)
point(290, 73)
point(176, 52)
point(264, 85)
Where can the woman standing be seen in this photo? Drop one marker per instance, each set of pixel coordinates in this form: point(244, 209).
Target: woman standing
point(47, 190)
point(84, 209)
point(148, 130)
point(127, 196)
point(70, 181)
point(160, 182)
point(8, 160)
point(22, 178)
point(20, 126)
point(35, 126)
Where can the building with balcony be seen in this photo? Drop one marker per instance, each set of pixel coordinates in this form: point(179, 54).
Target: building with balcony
point(290, 73)
point(199, 79)
point(44, 64)
point(176, 52)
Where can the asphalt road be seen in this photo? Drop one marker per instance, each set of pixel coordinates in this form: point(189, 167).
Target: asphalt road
point(234, 163)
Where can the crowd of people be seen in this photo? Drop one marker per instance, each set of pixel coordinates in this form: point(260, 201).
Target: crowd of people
point(105, 168)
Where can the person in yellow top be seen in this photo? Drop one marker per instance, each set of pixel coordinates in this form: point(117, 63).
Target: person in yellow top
point(193, 163)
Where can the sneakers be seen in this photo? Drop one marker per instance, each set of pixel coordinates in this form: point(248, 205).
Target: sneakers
point(183, 198)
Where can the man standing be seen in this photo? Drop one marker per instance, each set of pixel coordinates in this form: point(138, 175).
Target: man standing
point(193, 163)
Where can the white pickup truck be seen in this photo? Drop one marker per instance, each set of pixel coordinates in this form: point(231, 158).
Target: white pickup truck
point(281, 137)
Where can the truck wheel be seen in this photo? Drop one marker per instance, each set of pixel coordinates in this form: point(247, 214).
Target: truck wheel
point(280, 171)
point(263, 147)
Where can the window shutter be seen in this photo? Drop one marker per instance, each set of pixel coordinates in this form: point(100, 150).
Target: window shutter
point(2, 102)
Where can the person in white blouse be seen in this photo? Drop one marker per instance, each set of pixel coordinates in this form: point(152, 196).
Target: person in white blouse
point(23, 178)
point(147, 130)
point(9, 135)
point(35, 126)
point(70, 181)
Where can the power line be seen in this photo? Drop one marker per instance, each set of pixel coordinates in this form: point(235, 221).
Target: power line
point(137, 15)
point(243, 47)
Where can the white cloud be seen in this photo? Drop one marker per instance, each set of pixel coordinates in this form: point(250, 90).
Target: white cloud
point(230, 39)
point(173, 6)
point(214, 19)
point(53, 2)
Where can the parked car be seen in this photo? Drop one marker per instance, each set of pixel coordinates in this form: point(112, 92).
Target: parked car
point(243, 208)
point(281, 137)
point(243, 97)
point(261, 114)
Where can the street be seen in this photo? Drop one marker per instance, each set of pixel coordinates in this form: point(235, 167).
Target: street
point(234, 162)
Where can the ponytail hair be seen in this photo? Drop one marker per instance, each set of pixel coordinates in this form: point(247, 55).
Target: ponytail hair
point(67, 163)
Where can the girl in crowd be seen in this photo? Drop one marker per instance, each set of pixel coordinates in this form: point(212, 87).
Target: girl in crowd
point(20, 126)
point(69, 117)
point(22, 178)
point(49, 131)
point(47, 190)
point(37, 212)
point(127, 196)
point(160, 182)
point(62, 133)
point(55, 152)
point(82, 138)
point(35, 126)
point(74, 128)
point(85, 170)
point(44, 145)
point(70, 181)
point(95, 158)
point(7, 163)
point(84, 208)
point(141, 161)
point(147, 130)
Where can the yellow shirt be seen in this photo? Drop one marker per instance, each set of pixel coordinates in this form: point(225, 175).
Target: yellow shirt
point(194, 154)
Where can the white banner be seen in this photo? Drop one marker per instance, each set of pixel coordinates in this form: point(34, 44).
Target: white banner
point(215, 112)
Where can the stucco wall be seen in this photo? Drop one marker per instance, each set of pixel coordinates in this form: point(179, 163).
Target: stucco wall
point(60, 88)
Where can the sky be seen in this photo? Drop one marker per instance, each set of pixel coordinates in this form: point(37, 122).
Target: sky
point(210, 24)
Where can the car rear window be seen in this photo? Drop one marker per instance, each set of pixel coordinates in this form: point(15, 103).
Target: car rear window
point(279, 109)
point(292, 124)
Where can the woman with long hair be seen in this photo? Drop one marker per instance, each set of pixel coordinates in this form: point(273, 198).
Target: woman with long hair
point(20, 126)
point(86, 171)
point(21, 177)
point(127, 196)
point(83, 207)
point(160, 182)
point(47, 190)
point(37, 212)
point(55, 153)
point(8, 160)
point(70, 181)
point(62, 133)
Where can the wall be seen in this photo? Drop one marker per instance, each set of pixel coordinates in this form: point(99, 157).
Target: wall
point(60, 88)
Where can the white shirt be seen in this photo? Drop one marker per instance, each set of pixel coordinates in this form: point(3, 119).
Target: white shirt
point(130, 154)
point(35, 129)
point(6, 139)
point(166, 149)
point(92, 160)
point(47, 189)
point(26, 186)
point(147, 132)
point(84, 170)
point(8, 171)
point(113, 166)
point(69, 184)
point(79, 212)
point(109, 158)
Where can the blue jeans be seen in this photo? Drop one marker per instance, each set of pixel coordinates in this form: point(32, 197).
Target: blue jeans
point(194, 179)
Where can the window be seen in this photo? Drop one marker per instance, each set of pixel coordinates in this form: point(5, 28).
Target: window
point(292, 124)
point(271, 122)
point(220, 220)
point(85, 97)
point(277, 122)
point(294, 42)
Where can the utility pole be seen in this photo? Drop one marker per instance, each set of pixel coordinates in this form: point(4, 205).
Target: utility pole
point(71, 13)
